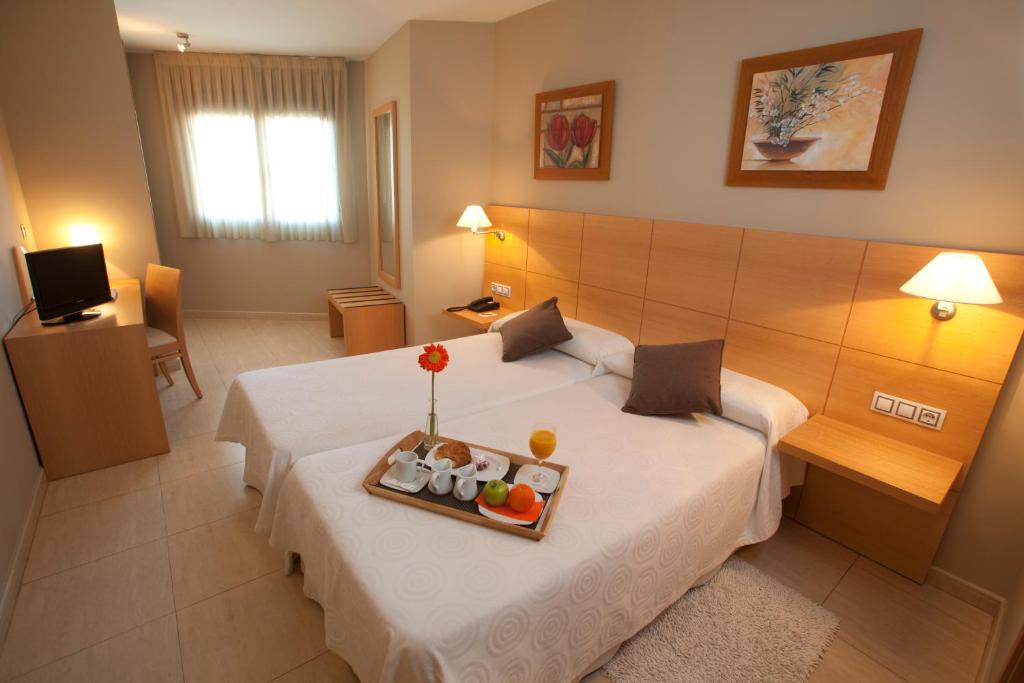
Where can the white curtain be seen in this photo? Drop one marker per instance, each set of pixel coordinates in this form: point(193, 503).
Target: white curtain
point(259, 146)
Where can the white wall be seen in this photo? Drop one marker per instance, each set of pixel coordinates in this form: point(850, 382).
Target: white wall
point(20, 473)
point(65, 92)
point(453, 113)
point(388, 73)
point(956, 177)
point(250, 275)
point(442, 76)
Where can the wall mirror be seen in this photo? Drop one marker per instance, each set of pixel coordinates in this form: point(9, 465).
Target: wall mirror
point(385, 145)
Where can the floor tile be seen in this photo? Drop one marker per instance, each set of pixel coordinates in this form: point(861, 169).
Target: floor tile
point(184, 414)
point(207, 497)
point(905, 634)
point(74, 537)
point(327, 668)
point(148, 653)
point(64, 494)
point(951, 605)
point(801, 559)
point(215, 557)
point(843, 663)
point(62, 614)
point(255, 632)
point(197, 454)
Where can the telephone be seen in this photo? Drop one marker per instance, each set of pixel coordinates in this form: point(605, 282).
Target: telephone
point(484, 303)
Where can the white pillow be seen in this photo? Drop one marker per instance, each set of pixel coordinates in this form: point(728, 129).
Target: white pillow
point(589, 343)
point(751, 402)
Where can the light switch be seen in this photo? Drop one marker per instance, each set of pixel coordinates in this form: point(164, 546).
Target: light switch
point(906, 410)
point(501, 290)
point(883, 403)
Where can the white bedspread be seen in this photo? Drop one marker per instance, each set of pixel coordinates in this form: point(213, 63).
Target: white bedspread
point(282, 414)
point(651, 505)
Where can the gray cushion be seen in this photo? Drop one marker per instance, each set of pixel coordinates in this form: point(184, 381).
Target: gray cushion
point(537, 329)
point(677, 379)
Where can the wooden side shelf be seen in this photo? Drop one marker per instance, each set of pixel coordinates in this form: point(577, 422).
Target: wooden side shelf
point(370, 318)
point(908, 473)
point(476, 320)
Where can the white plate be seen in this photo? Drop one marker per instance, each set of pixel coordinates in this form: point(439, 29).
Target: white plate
point(509, 520)
point(497, 470)
point(551, 478)
point(415, 486)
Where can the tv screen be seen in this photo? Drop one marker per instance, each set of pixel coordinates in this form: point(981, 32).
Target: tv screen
point(68, 280)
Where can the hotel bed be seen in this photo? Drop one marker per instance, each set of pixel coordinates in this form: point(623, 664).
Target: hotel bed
point(283, 414)
point(652, 506)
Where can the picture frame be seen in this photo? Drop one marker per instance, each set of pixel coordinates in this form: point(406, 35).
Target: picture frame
point(824, 117)
point(573, 132)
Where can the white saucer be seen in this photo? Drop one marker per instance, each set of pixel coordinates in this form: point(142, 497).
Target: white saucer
point(497, 517)
point(551, 478)
point(415, 486)
point(497, 469)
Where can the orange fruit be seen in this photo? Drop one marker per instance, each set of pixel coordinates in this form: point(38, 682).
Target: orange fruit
point(521, 498)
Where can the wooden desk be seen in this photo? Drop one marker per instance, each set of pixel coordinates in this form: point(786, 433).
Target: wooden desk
point(478, 321)
point(370, 318)
point(88, 387)
point(907, 473)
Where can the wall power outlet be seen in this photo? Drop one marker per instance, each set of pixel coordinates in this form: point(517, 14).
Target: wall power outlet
point(501, 290)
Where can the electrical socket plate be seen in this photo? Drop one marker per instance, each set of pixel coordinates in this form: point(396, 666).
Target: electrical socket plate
point(501, 290)
point(908, 411)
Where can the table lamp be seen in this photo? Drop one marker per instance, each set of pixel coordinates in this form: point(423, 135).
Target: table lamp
point(953, 278)
point(474, 218)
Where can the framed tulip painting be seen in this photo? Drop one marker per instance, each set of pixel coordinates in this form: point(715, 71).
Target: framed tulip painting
point(825, 117)
point(573, 133)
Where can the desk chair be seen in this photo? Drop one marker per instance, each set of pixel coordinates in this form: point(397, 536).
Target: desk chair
point(165, 331)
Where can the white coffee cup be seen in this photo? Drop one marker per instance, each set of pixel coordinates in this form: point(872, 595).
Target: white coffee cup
point(465, 485)
point(405, 466)
point(441, 480)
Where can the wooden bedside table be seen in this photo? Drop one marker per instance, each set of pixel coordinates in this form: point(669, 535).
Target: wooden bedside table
point(478, 321)
point(908, 473)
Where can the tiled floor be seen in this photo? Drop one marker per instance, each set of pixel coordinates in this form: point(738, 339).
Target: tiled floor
point(150, 571)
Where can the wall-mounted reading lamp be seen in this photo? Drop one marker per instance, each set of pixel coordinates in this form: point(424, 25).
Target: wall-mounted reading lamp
point(952, 278)
point(475, 219)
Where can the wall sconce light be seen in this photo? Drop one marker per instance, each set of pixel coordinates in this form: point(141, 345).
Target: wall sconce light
point(474, 218)
point(953, 278)
point(183, 42)
point(83, 234)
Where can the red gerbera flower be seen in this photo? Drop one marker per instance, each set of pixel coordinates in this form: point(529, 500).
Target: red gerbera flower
point(434, 358)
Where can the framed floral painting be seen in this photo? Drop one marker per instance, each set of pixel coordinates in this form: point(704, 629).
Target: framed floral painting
point(573, 133)
point(825, 117)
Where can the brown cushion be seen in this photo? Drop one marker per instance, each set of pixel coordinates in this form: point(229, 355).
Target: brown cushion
point(677, 379)
point(537, 329)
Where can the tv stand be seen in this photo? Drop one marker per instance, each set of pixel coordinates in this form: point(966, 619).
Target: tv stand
point(76, 317)
point(88, 390)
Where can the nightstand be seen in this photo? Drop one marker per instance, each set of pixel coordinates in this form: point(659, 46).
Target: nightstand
point(480, 322)
point(908, 473)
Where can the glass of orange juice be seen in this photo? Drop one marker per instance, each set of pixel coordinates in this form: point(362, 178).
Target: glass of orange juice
point(543, 439)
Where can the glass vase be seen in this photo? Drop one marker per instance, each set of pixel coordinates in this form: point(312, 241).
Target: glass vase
point(430, 432)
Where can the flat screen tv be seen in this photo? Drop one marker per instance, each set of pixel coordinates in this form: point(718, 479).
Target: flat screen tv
point(68, 280)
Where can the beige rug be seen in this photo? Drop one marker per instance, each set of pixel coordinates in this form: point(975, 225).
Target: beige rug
point(740, 626)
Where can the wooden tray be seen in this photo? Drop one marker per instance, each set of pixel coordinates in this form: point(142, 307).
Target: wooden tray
point(467, 511)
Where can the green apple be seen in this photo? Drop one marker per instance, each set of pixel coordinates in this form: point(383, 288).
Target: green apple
point(496, 492)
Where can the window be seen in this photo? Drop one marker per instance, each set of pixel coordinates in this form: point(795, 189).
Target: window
point(257, 145)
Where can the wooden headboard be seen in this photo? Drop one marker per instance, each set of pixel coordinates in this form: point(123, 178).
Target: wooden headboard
point(820, 316)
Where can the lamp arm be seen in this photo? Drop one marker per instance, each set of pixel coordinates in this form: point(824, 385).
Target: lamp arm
point(499, 233)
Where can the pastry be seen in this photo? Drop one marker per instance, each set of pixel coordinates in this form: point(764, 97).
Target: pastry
point(456, 451)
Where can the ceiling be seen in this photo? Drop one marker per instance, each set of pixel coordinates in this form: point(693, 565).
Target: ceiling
point(342, 28)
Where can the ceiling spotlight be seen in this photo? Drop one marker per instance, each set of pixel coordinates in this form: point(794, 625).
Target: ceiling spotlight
point(183, 42)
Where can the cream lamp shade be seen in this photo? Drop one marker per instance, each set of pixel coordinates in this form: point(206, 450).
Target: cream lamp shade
point(953, 278)
point(476, 220)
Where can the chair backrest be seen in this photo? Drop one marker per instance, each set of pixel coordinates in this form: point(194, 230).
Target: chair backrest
point(163, 300)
